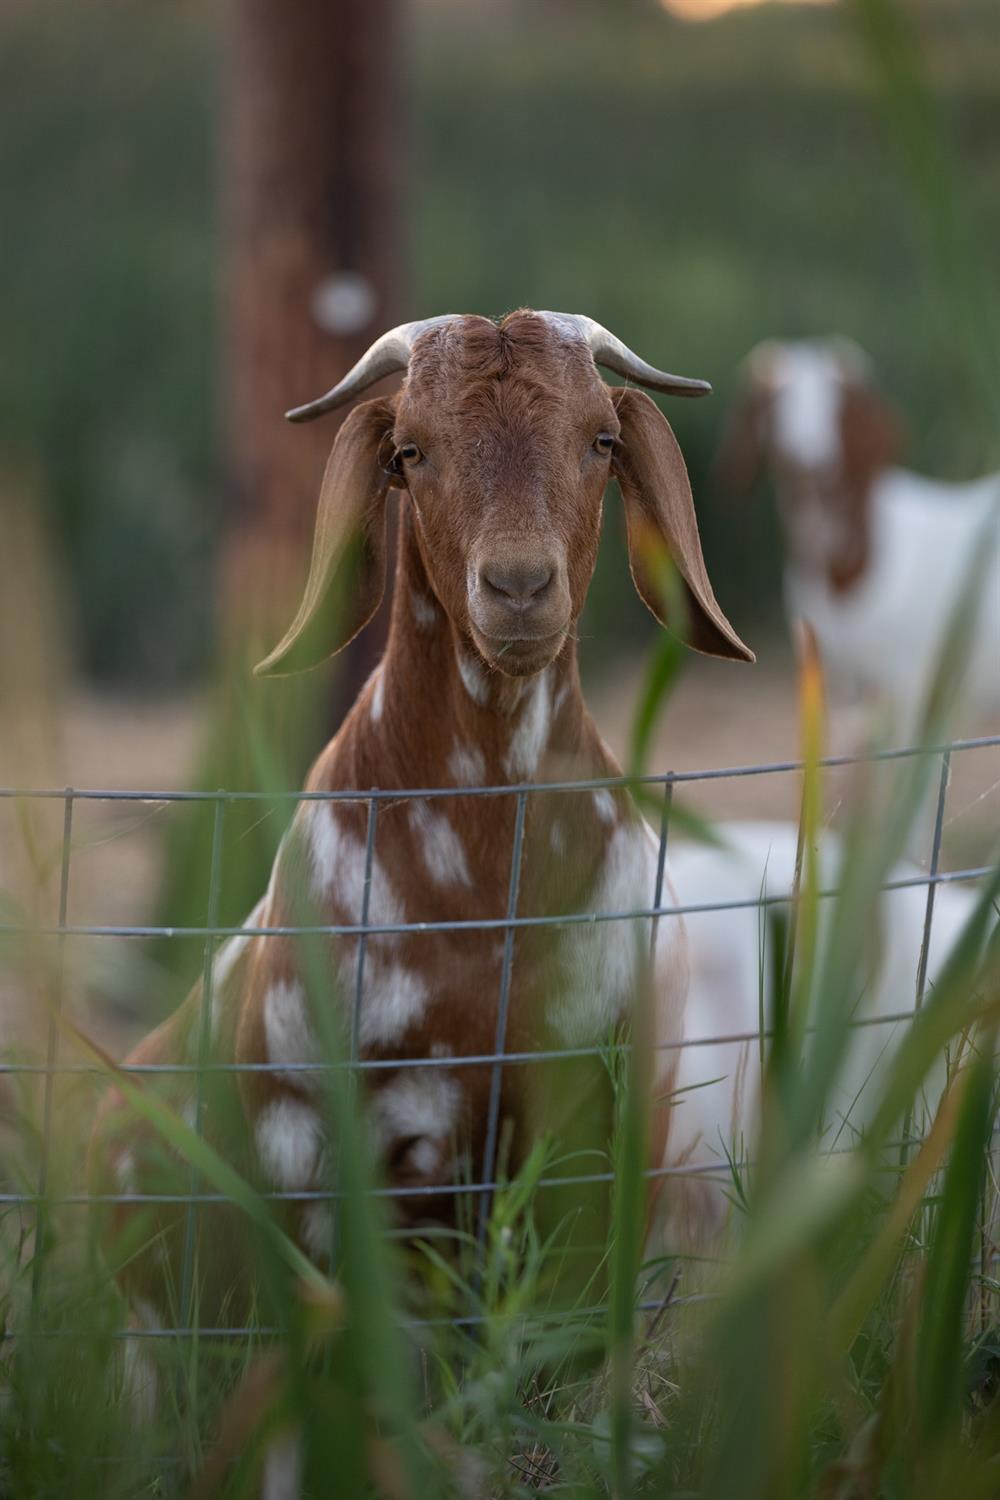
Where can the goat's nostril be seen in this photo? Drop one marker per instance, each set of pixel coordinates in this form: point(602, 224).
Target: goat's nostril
point(518, 585)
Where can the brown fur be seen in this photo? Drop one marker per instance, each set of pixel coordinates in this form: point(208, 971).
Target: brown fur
point(505, 419)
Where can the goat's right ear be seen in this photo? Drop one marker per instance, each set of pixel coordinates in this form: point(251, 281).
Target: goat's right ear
point(653, 479)
point(347, 572)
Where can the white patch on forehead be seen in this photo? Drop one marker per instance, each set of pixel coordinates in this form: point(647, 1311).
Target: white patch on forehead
point(289, 1143)
point(473, 677)
point(531, 735)
point(600, 963)
point(378, 694)
point(422, 1102)
point(393, 999)
point(424, 610)
point(807, 387)
point(605, 807)
point(338, 860)
point(440, 846)
point(288, 1032)
point(467, 766)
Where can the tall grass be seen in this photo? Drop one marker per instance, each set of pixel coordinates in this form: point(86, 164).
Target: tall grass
point(842, 1343)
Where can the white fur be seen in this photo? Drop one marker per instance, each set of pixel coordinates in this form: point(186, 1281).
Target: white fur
point(440, 846)
point(600, 964)
point(807, 382)
point(339, 869)
point(317, 1231)
point(378, 694)
point(421, 1102)
point(393, 999)
point(718, 1093)
point(473, 678)
point(289, 1142)
point(531, 735)
point(288, 1032)
point(605, 806)
point(425, 611)
point(467, 765)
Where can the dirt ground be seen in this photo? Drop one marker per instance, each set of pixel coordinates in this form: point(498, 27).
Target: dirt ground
point(721, 715)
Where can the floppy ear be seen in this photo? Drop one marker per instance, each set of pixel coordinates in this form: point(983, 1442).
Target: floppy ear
point(347, 572)
point(654, 483)
point(870, 431)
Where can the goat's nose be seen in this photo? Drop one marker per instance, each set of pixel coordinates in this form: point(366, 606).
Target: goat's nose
point(518, 583)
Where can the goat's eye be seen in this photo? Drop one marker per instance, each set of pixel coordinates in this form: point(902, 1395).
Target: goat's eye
point(604, 442)
point(410, 454)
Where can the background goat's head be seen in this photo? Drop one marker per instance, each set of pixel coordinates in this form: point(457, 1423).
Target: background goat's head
point(504, 437)
point(812, 413)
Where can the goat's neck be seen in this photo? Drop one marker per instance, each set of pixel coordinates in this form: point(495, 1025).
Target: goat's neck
point(435, 714)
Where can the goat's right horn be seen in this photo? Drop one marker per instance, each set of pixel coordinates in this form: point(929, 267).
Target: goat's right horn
point(388, 354)
point(609, 351)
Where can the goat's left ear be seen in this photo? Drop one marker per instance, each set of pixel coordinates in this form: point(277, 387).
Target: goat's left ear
point(654, 483)
point(347, 572)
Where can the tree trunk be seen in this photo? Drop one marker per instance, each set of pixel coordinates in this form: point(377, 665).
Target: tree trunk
point(312, 176)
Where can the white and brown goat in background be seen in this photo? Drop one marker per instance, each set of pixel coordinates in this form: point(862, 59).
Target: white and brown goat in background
point(876, 556)
point(502, 441)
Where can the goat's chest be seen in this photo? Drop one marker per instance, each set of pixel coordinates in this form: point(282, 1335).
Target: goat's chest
point(439, 980)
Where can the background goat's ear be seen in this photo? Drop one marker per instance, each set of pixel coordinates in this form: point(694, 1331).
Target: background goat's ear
point(871, 434)
point(654, 483)
point(347, 572)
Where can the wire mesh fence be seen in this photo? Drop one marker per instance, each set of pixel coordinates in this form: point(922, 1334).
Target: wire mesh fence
point(482, 1184)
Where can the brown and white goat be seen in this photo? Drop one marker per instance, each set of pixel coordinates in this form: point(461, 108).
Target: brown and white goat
point(876, 555)
point(502, 441)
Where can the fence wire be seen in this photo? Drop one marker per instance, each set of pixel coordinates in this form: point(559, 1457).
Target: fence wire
point(42, 1200)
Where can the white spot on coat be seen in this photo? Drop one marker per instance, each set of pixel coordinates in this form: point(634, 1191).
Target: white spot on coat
point(440, 845)
point(472, 677)
point(226, 960)
point(467, 766)
point(420, 1103)
point(393, 999)
point(289, 1143)
point(339, 869)
point(424, 610)
point(531, 735)
point(605, 807)
point(288, 1032)
point(378, 694)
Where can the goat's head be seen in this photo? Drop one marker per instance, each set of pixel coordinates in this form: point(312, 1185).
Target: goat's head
point(812, 413)
point(504, 437)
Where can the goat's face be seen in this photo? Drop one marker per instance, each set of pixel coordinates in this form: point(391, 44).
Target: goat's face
point(811, 412)
point(504, 440)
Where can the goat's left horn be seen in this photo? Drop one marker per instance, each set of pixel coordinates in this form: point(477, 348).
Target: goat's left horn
point(610, 352)
point(388, 354)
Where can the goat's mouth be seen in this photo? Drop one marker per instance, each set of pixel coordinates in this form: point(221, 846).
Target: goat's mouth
point(519, 656)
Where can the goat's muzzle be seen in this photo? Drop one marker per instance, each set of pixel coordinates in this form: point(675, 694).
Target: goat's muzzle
point(519, 609)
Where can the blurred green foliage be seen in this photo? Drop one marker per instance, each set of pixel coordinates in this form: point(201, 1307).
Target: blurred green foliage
point(695, 187)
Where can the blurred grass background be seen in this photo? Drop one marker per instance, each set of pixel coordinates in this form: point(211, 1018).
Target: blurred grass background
point(696, 187)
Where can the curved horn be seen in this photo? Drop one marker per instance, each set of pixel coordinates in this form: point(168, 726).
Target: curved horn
point(389, 353)
point(610, 352)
